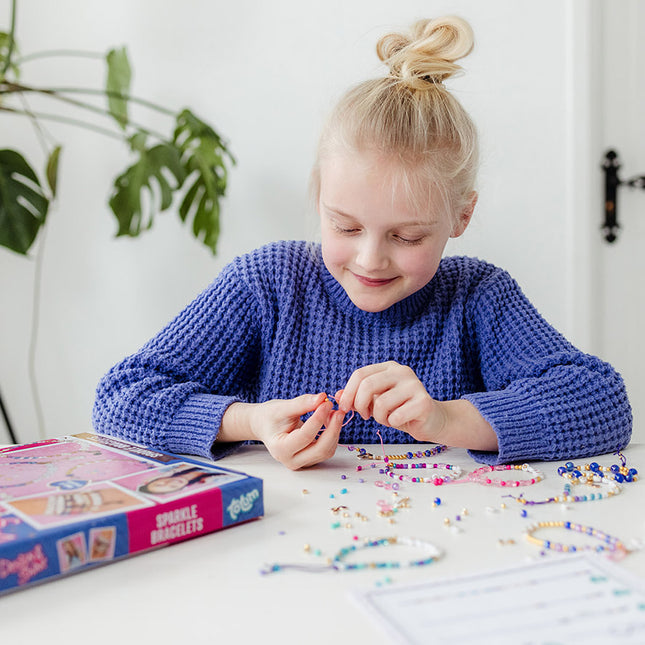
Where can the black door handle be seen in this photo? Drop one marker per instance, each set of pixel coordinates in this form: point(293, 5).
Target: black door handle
point(610, 167)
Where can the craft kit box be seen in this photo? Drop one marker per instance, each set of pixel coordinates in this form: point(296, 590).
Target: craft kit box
point(70, 504)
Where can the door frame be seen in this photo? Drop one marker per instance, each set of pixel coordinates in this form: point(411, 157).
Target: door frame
point(583, 201)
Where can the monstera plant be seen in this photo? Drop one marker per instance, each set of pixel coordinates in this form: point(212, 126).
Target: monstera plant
point(187, 169)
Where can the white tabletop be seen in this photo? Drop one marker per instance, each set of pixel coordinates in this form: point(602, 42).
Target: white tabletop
point(210, 588)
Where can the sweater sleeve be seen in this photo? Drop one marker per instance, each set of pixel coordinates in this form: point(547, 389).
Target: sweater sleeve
point(172, 394)
point(544, 399)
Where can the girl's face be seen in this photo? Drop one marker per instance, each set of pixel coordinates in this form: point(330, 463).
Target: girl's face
point(375, 243)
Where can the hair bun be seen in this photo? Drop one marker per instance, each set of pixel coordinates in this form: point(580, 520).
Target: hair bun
point(427, 55)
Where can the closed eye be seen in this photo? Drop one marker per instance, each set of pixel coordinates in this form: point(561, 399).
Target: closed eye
point(343, 229)
point(407, 240)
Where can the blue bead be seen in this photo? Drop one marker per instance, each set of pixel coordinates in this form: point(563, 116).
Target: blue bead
point(409, 455)
point(562, 470)
point(594, 466)
point(619, 478)
point(615, 468)
point(569, 465)
point(632, 471)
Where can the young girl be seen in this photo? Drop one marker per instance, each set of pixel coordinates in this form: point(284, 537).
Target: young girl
point(422, 348)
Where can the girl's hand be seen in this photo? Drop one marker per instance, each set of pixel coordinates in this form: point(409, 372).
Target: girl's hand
point(296, 444)
point(394, 396)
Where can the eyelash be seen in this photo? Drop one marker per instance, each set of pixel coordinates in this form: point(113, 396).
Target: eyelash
point(404, 240)
point(398, 238)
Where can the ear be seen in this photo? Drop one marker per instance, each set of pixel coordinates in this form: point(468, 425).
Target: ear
point(465, 216)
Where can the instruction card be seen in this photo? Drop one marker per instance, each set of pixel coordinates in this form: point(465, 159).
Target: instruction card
point(559, 600)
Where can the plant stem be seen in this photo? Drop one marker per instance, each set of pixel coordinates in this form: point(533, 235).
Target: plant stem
point(33, 338)
point(12, 31)
point(118, 95)
point(64, 119)
point(14, 88)
point(40, 133)
point(72, 53)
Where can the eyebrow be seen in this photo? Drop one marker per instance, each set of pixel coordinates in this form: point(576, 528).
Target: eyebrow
point(411, 223)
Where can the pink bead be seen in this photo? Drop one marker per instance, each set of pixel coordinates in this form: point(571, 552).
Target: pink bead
point(502, 483)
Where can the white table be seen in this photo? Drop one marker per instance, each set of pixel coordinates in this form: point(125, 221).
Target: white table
point(209, 589)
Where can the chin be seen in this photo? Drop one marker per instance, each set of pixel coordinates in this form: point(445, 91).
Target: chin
point(371, 307)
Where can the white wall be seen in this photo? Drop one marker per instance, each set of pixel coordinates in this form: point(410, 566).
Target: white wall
point(264, 73)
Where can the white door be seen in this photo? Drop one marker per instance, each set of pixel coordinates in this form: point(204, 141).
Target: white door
point(619, 320)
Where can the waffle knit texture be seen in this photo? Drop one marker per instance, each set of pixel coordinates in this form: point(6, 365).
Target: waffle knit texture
point(276, 324)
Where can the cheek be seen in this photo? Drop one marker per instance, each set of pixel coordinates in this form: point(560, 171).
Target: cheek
point(335, 250)
point(422, 264)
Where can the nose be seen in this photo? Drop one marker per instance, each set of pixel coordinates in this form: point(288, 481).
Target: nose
point(371, 255)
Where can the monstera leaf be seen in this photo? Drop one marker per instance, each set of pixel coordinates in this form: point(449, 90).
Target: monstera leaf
point(203, 156)
point(150, 174)
point(23, 206)
point(117, 84)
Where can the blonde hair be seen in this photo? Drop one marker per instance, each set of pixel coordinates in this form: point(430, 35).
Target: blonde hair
point(410, 115)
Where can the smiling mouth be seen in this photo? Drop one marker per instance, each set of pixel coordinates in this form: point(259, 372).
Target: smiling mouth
point(373, 282)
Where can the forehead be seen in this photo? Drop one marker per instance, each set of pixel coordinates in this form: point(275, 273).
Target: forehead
point(353, 181)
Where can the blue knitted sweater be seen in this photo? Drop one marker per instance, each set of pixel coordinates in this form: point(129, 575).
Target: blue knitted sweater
point(276, 324)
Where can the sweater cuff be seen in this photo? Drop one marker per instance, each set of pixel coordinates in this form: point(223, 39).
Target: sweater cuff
point(517, 419)
point(196, 424)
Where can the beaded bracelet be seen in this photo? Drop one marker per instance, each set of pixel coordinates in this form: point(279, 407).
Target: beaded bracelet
point(338, 563)
point(610, 543)
point(454, 473)
point(612, 488)
point(593, 472)
point(480, 477)
point(419, 454)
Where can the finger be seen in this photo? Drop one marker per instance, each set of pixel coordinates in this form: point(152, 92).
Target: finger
point(325, 446)
point(300, 438)
point(303, 404)
point(371, 388)
point(386, 404)
point(347, 399)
